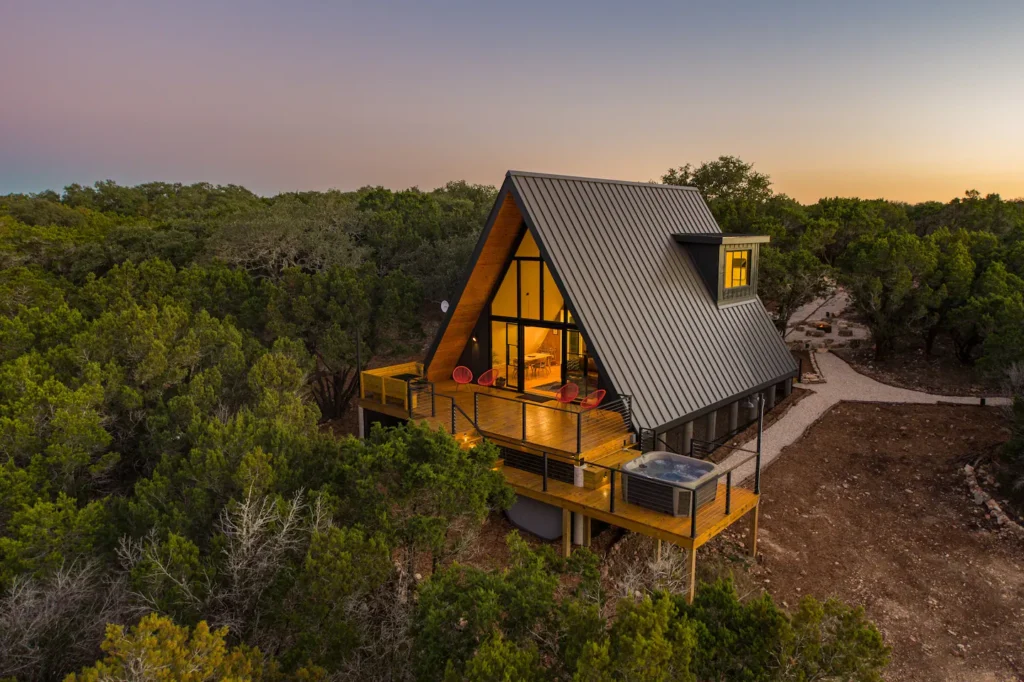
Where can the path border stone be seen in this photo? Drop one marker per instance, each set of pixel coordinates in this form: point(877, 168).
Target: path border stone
point(984, 499)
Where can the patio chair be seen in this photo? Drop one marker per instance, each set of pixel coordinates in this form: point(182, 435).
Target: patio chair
point(487, 378)
point(592, 400)
point(462, 375)
point(566, 394)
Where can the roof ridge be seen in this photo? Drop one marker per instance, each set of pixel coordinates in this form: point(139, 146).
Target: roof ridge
point(555, 176)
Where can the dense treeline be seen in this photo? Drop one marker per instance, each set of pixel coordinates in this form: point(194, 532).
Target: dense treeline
point(168, 354)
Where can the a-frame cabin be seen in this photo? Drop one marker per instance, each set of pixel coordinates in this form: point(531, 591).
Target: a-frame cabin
point(630, 294)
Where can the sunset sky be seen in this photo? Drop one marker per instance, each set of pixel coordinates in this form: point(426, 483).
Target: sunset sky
point(909, 101)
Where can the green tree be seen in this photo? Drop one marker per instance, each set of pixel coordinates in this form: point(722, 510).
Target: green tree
point(157, 649)
point(949, 282)
point(728, 178)
point(790, 279)
point(337, 313)
point(884, 274)
point(992, 319)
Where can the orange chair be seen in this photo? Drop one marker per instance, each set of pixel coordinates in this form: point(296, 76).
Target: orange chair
point(567, 394)
point(487, 378)
point(462, 375)
point(593, 400)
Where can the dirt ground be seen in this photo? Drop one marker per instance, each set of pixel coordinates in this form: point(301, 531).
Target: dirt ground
point(869, 507)
point(909, 367)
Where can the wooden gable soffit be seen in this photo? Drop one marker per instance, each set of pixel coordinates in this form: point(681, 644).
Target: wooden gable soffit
point(487, 266)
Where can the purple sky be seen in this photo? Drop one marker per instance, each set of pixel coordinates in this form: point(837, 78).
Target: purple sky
point(909, 101)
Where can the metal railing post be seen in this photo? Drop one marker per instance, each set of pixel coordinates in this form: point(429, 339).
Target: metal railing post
point(728, 491)
point(760, 435)
point(693, 513)
point(408, 397)
point(579, 432)
point(453, 415)
point(476, 409)
point(545, 472)
point(611, 501)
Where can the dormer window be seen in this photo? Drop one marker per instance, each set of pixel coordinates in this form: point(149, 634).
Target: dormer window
point(726, 262)
point(737, 269)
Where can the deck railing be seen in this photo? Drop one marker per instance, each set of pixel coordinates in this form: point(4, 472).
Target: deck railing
point(606, 422)
point(616, 472)
point(391, 385)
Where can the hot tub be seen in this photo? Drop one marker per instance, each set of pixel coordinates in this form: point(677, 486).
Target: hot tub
point(642, 482)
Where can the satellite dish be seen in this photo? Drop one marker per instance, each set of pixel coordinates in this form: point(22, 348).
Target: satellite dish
point(444, 306)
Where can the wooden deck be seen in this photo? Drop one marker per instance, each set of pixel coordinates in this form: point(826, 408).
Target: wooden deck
point(598, 436)
point(711, 518)
point(500, 413)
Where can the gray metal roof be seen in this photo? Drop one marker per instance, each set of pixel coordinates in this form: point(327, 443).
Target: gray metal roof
point(654, 328)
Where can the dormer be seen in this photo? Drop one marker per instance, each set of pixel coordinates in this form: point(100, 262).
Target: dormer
point(726, 262)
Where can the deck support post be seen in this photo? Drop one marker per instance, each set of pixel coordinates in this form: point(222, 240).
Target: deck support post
point(566, 533)
point(752, 541)
point(362, 422)
point(760, 437)
point(586, 531)
point(692, 590)
point(687, 437)
point(711, 427)
point(657, 550)
point(611, 499)
point(734, 416)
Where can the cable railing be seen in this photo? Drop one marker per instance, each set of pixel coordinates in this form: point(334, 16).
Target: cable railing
point(606, 422)
point(568, 429)
point(716, 475)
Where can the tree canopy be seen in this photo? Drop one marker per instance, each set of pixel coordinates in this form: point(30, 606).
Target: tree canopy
point(174, 359)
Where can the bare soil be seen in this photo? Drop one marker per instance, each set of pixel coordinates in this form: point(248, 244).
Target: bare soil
point(909, 367)
point(870, 507)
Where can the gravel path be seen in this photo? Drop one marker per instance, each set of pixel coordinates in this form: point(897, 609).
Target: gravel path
point(842, 383)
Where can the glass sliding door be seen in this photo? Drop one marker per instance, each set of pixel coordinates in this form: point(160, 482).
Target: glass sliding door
point(542, 359)
point(505, 355)
point(580, 368)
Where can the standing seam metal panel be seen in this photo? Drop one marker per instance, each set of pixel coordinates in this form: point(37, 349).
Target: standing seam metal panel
point(638, 298)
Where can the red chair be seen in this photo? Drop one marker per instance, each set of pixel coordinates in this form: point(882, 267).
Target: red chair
point(462, 375)
point(487, 378)
point(592, 400)
point(567, 393)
